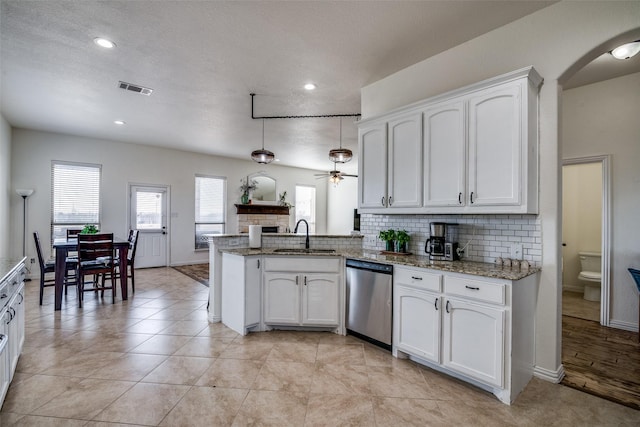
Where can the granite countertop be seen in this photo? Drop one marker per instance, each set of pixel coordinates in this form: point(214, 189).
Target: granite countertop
point(464, 267)
point(8, 265)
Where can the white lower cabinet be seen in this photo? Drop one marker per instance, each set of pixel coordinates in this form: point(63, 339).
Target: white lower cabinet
point(473, 340)
point(478, 329)
point(302, 291)
point(241, 292)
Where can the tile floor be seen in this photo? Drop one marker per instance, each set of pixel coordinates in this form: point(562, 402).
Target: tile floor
point(574, 305)
point(155, 360)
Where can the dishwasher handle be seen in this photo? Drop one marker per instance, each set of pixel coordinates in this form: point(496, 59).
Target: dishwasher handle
point(369, 266)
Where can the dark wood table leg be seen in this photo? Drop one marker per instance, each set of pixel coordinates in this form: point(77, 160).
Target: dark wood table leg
point(61, 266)
point(122, 255)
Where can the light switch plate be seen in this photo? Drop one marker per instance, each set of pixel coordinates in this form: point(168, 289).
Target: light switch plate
point(516, 251)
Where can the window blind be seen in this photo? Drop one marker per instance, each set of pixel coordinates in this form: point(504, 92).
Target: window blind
point(210, 201)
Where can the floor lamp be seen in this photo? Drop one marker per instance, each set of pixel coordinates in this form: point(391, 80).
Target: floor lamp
point(24, 193)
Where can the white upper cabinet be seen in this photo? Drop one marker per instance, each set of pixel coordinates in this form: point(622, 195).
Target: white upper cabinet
point(478, 151)
point(444, 154)
point(372, 162)
point(390, 158)
point(405, 163)
point(495, 147)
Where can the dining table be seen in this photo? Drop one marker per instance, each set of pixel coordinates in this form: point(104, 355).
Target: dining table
point(64, 246)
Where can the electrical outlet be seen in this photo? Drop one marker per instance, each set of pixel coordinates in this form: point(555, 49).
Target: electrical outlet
point(516, 251)
point(33, 260)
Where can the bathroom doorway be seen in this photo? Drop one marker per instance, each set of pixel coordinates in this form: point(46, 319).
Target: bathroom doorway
point(585, 235)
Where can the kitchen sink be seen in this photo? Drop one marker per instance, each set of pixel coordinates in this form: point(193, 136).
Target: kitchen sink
point(305, 251)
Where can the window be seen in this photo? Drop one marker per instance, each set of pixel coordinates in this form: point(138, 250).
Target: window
point(210, 208)
point(75, 197)
point(306, 206)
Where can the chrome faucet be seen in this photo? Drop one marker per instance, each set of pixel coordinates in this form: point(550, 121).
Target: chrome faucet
point(295, 231)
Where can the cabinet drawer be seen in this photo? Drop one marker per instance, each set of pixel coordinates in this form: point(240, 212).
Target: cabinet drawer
point(417, 278)
point(475, 289)
point(303, 264)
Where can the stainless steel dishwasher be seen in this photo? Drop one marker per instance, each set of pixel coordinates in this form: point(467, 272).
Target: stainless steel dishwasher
point(369, 302)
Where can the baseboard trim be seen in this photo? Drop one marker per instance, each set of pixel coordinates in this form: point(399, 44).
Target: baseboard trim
point(627, 326)
point(549, 375)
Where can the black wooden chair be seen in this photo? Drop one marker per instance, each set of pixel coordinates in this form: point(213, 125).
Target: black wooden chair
point(49, 266)
point(95, 258)
point(131, 259)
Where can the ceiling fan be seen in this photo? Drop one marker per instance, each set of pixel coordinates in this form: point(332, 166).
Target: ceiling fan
point(335, 176)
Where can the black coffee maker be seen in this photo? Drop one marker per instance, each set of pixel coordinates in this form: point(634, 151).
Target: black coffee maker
point(439, 245)
point(435, 243)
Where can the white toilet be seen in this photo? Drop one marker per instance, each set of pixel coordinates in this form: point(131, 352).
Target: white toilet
point(591, 274)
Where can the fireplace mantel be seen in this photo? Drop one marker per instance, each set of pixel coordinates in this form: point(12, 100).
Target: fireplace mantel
point(262, 209)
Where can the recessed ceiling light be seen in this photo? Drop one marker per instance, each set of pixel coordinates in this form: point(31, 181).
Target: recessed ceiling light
point(626, 51)
point(309, 86)
point(120, 122)
point(107, 44)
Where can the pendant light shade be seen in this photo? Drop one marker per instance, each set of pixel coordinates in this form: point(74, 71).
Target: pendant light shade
point(262, 156)
point(340, 155)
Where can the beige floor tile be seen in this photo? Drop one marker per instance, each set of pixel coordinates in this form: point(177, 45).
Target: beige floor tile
point(179, 370)
point(340, 379)
point(172, 313)
point(204, 347)
point(27, 395)
point(294, 352)
point(144, 403)
point(231, 373)
point(330, 410)
point(129, 367)
point(161, 344)
point(9, 419)
point(85, 399)
point(341, 354)
point(218, 330)
point(118, 342)
point(33, 420)
point(272, 408)
point(398, 382)
point(249, 350)
point(35, 360)
point(82, 364)
point(206, 406)
point(469, 412)
point(393, 411)
point(148, 326)
point(285, 376)
point(185, 327)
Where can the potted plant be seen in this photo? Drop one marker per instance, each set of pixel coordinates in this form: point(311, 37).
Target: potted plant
point(89, 229)
point(402, 239)
point(388, 237)
point(246, 188)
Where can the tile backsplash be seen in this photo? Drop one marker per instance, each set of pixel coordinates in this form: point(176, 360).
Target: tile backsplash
point(486, 237)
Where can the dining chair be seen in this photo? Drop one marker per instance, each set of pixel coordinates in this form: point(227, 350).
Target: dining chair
point(72, 233)
point(49, 266)
point(95, 258)
point(131, 258)
point(636, 277)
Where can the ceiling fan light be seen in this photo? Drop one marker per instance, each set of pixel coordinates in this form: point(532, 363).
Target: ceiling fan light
point(340, 155)
point(262, 156)
point(627, 50)
point(335, 179)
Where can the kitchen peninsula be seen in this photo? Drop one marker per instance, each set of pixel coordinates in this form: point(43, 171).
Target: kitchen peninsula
point(471, 320)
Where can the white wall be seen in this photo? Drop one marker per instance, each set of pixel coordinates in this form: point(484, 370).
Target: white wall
point(7, 192)
point(556, 40)
point(599, 119)
point(581, 215)
point(33, 151)
point(342, 199)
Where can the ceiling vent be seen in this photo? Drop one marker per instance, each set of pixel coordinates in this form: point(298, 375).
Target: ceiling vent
point(135, 88)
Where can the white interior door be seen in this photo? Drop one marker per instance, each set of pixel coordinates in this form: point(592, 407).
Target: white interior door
point(149, 206)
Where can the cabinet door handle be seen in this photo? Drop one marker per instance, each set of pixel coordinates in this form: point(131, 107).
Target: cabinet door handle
point(446, 307)
point(473, 288)
point(460, 198)
point(416, 278)
point(258, 264)
point(382, 201)
point(297, 277)
point(305, 280)
point(3, 296)
point(435, 304)
point(471, 198)
point(390, 200)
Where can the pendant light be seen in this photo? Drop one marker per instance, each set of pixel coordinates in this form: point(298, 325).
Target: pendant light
point(340, 155)
point(263, 156)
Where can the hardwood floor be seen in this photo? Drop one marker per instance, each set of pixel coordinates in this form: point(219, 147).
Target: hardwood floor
point(601, 361)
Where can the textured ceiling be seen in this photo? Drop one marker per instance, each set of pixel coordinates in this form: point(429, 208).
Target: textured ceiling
point(203, 58)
